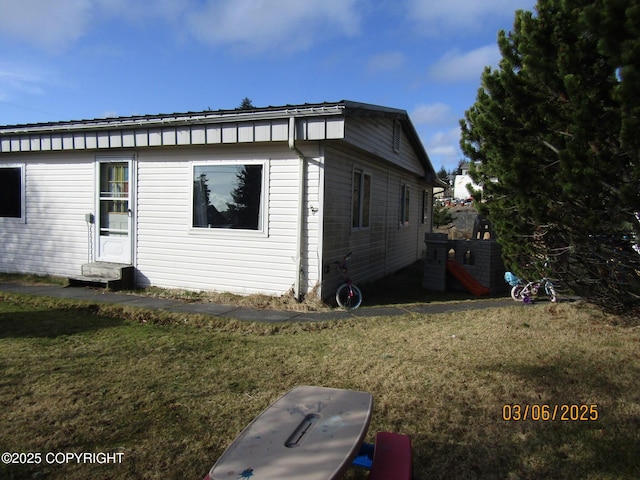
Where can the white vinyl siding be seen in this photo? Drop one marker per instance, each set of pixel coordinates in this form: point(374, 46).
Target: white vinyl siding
point(171, 253)
point(384, 138)
point(53, 239)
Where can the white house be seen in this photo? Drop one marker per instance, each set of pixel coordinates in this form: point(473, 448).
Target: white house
point(461, 182)
point(246, 201)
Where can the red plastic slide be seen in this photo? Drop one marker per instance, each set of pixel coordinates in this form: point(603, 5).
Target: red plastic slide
point(466, 279)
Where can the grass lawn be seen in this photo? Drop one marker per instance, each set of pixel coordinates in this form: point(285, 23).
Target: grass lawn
point(171, 392)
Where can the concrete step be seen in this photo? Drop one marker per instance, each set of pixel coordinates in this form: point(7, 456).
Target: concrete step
point(113, 276)
point(103, 269)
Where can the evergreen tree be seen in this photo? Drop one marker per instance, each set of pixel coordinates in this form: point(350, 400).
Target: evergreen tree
point(246, 104)
point(554, 132)
point(443, 174)
point(441, 216)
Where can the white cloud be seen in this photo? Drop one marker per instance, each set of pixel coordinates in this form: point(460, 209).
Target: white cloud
point(47, 24)
point(443, 148)
point(462, 15)
point(278, 25)
point(455, 66)
point(432, 114)
point(250, 25)
point(55, 25)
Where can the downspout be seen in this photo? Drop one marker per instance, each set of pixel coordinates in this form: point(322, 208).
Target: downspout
point(301, 208)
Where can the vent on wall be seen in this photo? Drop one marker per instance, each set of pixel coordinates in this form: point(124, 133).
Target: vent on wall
point(397, 135)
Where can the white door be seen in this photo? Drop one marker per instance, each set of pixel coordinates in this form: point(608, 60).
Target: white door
point(114, 219)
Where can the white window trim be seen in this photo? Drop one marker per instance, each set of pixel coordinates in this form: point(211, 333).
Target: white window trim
point(362, 172)
point(23, 194)
point(264, 201)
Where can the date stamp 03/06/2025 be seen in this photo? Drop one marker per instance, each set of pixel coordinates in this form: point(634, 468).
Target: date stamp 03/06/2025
point(564, 412)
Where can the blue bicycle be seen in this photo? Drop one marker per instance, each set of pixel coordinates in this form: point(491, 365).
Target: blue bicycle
point(527, 292)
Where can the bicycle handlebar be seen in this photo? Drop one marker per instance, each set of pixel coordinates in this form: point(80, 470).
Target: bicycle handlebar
point(343, 266)
point(345, 258)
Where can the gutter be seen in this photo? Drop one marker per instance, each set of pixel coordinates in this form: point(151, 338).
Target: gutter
point(301, 208)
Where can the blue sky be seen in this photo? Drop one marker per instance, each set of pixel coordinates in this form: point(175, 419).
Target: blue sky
point(81, 59)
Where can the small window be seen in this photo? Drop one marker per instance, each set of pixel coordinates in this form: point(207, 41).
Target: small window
point(404, 205)
point(228, 196)
point(12, 192)
point(361, 200)
point(425, 207)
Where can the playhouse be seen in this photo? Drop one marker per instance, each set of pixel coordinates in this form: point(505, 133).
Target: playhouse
point(474, 265)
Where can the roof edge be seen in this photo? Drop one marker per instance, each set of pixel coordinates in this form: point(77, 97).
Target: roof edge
point(205, 116)
point(347, 107)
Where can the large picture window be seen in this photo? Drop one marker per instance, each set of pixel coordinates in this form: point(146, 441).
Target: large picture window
point(11, 192)
point(228, 196)
point(361, 200)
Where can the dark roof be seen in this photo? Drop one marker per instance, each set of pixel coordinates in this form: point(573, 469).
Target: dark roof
point(167, 117)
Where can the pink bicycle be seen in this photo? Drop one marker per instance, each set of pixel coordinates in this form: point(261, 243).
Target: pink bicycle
point(348, 295)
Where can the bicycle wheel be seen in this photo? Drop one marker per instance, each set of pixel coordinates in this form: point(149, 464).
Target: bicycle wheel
point(348, 296)
point(516, 293)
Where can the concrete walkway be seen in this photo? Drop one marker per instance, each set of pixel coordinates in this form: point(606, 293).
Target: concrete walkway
point(243, 313)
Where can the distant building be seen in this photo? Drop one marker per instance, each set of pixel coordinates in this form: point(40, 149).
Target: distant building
point(461, 181)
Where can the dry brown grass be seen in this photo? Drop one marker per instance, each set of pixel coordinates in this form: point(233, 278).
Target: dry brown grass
point(173, 392)
point(311, 302)
point(402, 287)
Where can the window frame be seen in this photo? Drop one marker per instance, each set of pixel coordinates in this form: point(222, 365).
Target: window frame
point(425, 206)
point(405, 204)
point(263, 229)
point(23, 196)
point(358, 223)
